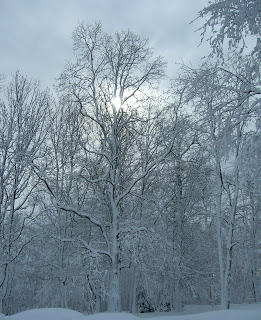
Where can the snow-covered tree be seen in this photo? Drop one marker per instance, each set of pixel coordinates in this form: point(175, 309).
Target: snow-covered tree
point(23, 109)
point(234, 23)
point(227, 108)
point(111, 82)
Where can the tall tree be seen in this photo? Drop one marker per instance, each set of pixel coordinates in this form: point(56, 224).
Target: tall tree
point(23, 111)
point(111, 81)
point(227, 107)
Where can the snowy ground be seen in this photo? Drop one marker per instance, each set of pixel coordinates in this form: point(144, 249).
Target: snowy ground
point(194, 309)
point(237, 312)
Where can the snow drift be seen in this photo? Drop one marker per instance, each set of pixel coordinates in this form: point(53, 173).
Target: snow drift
point(251, 312)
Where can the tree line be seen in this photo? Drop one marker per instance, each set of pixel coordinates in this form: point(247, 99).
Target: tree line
point(116, 195)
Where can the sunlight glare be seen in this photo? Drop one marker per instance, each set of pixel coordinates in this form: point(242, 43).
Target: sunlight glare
point(116, 102)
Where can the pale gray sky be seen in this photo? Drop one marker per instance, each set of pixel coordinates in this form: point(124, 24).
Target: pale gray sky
point(36, 34)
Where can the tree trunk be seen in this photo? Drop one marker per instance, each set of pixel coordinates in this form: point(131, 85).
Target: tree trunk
point(179, 241)
point(253, 258)
point(114, 290)
point(61, 267)
point(114, 295)
point(177, 295)
point(231, 228)
point(3, 289)
point(219, 236)
point(133, 288)
point(63, 298)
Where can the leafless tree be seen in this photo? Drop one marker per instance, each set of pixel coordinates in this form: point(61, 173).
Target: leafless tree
point(22, 130)
point(111, 82)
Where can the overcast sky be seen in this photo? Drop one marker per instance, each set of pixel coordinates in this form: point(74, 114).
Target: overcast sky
point(36, 35)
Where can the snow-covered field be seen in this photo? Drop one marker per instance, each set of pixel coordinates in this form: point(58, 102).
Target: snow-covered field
point(237, 312)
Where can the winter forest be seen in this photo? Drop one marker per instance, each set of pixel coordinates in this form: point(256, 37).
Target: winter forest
point(127, 189)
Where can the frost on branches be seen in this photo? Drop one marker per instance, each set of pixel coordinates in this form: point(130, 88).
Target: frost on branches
point(237, 21)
